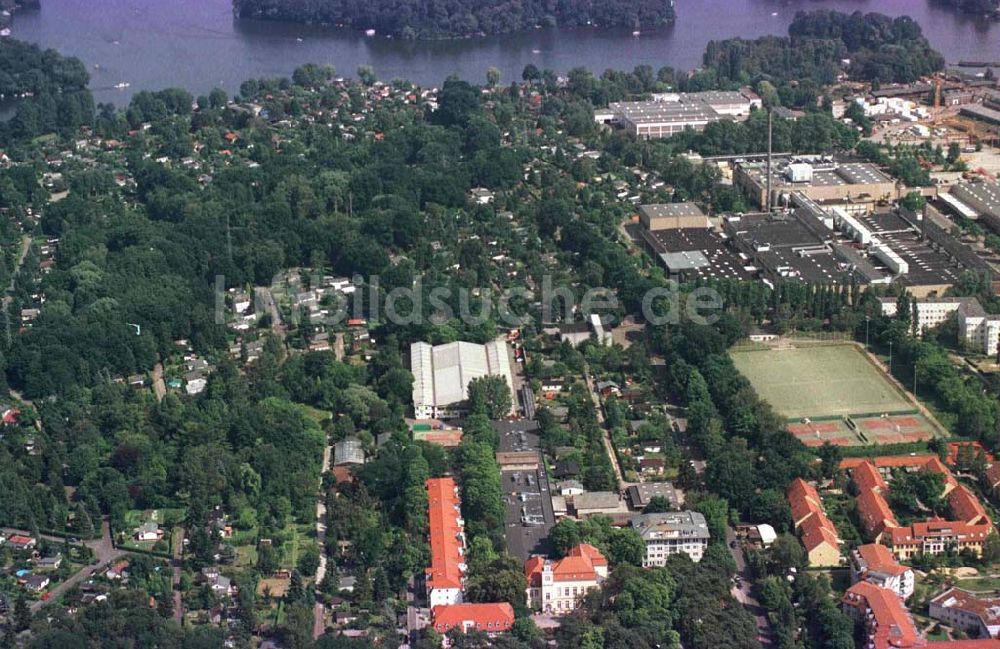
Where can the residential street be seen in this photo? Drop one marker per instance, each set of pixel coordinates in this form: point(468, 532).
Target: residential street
point(608, 446)
point(743, 592)
point(318, 624)
point(178, 565)
point(103, 549)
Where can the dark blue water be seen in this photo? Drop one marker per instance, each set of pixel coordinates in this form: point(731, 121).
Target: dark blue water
point(198, 45)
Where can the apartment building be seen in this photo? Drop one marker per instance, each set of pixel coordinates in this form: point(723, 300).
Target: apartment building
point(875, 564)
point(672, 533)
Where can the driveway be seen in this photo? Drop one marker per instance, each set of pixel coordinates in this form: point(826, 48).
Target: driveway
point(608, 446)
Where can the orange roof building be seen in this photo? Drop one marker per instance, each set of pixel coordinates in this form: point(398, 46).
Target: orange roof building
point(817, 532)
point(556, 587)
point(967, 531)
point(867, 477)
point(874, 514)
point(992, 478)
point(966, 507)
point(490, 618)
point(977, 449)
point(889, 625)
point(886, 620)
point(977, 614)
point(936, 537)
point(876, 564)
point(445, 578)
point(804, 500)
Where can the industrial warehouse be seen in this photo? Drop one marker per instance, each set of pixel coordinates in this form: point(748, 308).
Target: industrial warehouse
point(976, 201)
point(671, 113)
point(442, 373)
point(853, 186)
point(830, 225)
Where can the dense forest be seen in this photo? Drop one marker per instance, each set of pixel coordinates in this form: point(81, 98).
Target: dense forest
point(819, 48)
point(51, 89)
point(456, 18)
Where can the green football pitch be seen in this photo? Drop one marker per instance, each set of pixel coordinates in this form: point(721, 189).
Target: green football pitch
point(819, 381)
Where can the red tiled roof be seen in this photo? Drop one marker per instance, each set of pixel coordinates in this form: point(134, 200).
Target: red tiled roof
point(816, 530)
point(893, 626)
point(966, 507)
point(980, 643)
point(878, 558)
point(483, 617)
point(917, 532)
point(977, 448)
point(935, 465)
point(807, 512)
point(993, 475)
point(892, 461)
point(982, 606)
point(874, 513)
point(20, 539)
point(444, 528)
point(587, 550)
point(866, 477)
point(533, 570)
point(804, 500)
point(579, 564)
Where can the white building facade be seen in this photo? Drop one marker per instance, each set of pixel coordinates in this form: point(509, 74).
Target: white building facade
point(673, 533)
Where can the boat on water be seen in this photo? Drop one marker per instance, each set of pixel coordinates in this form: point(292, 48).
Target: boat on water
point(369, 32)
point(122, 85)
point(636, 32)
point(5, 32)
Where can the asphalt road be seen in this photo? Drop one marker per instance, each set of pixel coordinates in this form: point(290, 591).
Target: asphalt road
point(103, 549)
point(744, 592)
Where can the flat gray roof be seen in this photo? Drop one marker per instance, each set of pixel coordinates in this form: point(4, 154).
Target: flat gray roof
point(986, 195)
point(653, 112)
point(687, 260)
point(660, 210)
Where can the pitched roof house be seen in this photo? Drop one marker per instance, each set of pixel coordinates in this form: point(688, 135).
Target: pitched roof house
point(489, 618)
point(556, 587)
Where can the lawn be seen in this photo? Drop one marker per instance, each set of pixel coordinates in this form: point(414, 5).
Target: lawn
point(296, 537)
point(165, 518)
point(980, 584)
point(316, 414)
point(819, 381)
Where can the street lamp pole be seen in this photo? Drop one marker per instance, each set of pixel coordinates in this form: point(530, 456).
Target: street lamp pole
point(890, 357)
point(867, 321)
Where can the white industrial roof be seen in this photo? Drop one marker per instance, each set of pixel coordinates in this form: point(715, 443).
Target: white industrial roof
point(441, 374)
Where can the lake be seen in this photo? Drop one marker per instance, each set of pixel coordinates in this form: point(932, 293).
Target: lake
point(198, 45)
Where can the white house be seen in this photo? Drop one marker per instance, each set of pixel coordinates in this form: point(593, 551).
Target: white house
point(875, 563)
point(556, 587)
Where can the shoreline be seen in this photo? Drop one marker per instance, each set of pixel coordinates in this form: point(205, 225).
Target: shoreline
point(444, 38)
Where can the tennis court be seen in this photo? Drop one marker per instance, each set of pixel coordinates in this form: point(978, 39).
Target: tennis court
point(898, 429)
point(819, 381)
point(836, 432)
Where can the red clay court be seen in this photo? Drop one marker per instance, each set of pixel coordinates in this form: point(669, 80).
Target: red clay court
point(891, 423)
point(821, 427)
point(899, 429)
point(820, 432)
